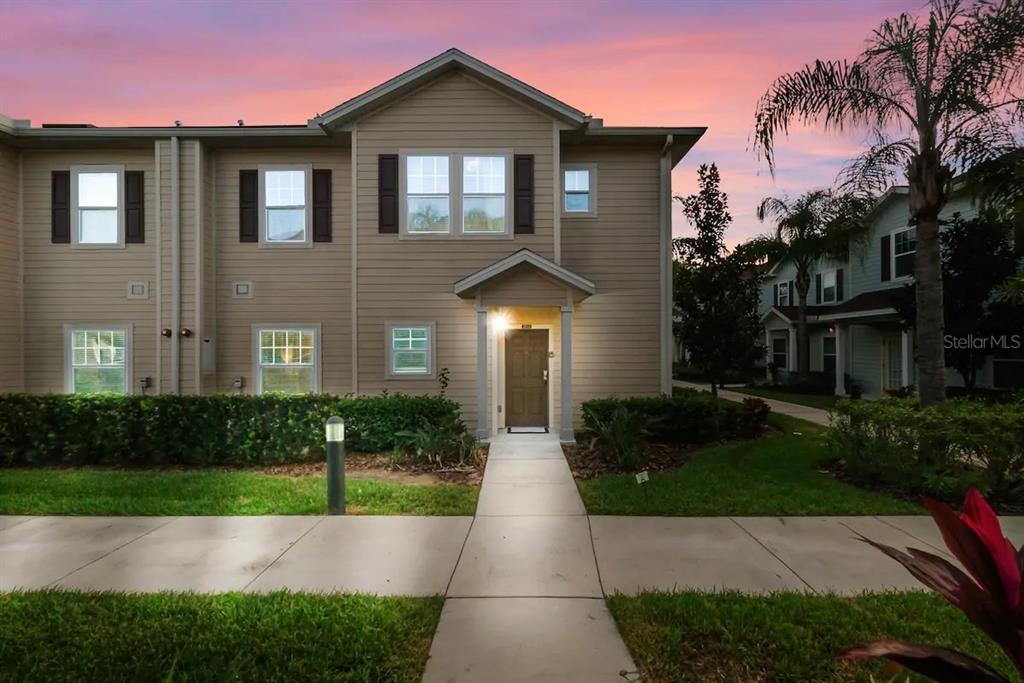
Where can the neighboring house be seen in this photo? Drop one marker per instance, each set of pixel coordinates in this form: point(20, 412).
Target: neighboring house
point(451, 219)
point(855, 333)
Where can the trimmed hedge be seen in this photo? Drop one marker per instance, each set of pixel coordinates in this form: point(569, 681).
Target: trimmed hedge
point(938, 451)
point(108, 429)
point(688, 417)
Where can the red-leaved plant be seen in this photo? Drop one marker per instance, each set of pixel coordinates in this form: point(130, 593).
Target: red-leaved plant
point(991, 593)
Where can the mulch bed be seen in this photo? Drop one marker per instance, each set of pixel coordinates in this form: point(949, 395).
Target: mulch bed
point(587, 463)
point(356, 463)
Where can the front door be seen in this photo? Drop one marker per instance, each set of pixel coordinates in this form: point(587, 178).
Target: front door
point(892, 367)
point(526, 378)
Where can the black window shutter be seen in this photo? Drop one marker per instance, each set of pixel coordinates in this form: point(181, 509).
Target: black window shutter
point(839, 285)
point(792, 293)
point(248, 206)
point(60, 207)
point(134, 208)
point(523, 192)
point(322, 205)
point(886, 257)
point(387, 193)
point(817, 287)
point(775, 294)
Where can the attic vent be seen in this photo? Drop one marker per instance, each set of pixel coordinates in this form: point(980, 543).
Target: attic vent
point(68, 125)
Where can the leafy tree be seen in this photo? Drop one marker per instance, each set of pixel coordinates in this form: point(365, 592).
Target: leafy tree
point(939, 95)
point(977, 257)
point(716, 292)
point(817, 225)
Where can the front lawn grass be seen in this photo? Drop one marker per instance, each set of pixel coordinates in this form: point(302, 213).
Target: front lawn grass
point(62, 636)
point(810, 400)
point(774, 475)
point(691, 636)
point(214, 492)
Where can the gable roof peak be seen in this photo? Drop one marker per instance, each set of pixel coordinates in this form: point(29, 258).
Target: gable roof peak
point(451, 59)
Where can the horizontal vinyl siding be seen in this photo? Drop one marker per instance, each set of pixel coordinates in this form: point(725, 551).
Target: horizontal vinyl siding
point(523, 287)
point(413, 279)
point(290, 285)
point(65, 285)
point(616, 331)
point(11, 376)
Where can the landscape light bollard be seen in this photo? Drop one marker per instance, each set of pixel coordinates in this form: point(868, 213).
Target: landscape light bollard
point(335, 466)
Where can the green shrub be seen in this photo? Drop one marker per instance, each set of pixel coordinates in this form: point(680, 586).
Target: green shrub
point(940, 450)
point(619, 437)
point(109, 429)
point(442, 443)
point(688, 417)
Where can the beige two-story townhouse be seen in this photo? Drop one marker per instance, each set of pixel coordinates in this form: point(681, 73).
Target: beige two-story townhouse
point(451, 226)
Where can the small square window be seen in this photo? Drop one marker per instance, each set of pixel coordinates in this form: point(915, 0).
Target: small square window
point(286, 359)
point(410, 350)
point(97, 359)
point(578, 195)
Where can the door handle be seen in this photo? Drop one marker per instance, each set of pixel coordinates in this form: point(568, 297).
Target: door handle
point(545, 375)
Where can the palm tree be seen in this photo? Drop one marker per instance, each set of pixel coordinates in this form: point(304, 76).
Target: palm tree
point(817, 225)
point(938, 96)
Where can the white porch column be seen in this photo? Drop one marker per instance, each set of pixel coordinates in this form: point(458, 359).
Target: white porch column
point(792, 350)
point(767, 354)
point(566, 433)
point(905, 350)
point(482, 429)
point(840, 360)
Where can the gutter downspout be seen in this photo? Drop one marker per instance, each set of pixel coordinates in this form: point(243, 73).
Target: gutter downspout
point(175, 266)
point(665, 263)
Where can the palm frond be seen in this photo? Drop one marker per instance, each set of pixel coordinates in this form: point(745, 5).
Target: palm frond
point(874, 170)
point(836, 94)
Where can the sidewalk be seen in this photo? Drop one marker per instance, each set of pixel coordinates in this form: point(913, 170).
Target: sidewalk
point(815, 415)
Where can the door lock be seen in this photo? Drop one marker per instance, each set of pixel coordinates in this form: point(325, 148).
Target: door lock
point(545, 375)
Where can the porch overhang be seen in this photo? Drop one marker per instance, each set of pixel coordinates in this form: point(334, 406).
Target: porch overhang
point(579, 286)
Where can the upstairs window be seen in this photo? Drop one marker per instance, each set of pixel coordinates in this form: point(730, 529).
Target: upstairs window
point(904, 245)
point(287, 360)
point(828, 287)
point(484, 197)
point(97, 360)
point(783, 294)
point(286, 195)
point(428, 195)
point(410, 350)
point(97, 199)
point(578, 190)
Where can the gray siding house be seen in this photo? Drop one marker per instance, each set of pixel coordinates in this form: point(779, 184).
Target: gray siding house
point(855, 332)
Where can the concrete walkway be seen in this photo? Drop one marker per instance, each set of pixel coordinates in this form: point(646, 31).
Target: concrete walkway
point(815, 415)
point(526, 601)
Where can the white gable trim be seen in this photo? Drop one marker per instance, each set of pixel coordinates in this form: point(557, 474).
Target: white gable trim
point(450, 59)
point(470, 283)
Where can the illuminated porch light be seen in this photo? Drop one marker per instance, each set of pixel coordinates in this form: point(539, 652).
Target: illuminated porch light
point(499, 321)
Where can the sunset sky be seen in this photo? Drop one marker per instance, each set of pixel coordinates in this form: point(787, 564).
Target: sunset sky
point(631, 63)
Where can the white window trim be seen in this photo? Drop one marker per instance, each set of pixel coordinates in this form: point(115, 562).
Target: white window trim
point(69, 381)
point(773, 353)
point(455, 195)
point(592, 213)
point(97, 168)
point(786, 286)
point(257, 376)
point(835, 286)
point(892, 255)
point(431, 373)
point(307, 169)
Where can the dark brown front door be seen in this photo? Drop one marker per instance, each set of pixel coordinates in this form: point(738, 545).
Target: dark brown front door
point(526, 378)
